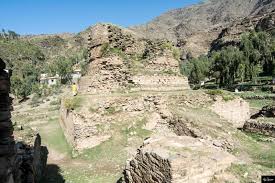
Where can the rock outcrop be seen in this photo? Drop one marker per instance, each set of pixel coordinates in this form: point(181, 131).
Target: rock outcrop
point(232, 34)
point(262, 122)
point(177, 160)
point(266, 111)
point(198, 25)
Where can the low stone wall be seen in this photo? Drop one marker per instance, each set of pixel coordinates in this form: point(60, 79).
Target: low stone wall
point(260, 127)
point(236, 111)
point(79, 131)
point(160, 83)
point(67, 123)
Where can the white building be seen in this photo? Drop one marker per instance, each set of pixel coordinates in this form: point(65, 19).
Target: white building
point(49, 80)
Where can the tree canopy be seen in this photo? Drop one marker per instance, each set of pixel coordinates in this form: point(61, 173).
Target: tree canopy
point(255, 55)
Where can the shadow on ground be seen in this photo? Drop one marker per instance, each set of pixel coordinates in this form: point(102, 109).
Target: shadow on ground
point(53, 175)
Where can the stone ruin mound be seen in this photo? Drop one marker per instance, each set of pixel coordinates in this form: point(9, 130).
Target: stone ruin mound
point(119, 60)
point(236, 111)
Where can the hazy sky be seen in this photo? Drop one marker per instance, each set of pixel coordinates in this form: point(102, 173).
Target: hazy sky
point(55, 16)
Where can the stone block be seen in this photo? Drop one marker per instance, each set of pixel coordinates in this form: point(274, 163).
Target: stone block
point(176, 160)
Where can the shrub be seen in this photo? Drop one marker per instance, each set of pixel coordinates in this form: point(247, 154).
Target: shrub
point(225, 95)
point(35, 100)
point(176, 53)
point(72, 103)
point(215, 92)
point(55, 102)
point(228, 97)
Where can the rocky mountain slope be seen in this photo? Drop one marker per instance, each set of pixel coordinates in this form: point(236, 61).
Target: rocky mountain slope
point(232, 34)
point(197, 26)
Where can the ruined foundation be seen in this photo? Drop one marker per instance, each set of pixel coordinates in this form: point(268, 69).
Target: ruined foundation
point(176, 160)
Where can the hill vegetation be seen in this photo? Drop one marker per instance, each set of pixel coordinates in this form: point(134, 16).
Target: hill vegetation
point(28, 61)
point(253, 57)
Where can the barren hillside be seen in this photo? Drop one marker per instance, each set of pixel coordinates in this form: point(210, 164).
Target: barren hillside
point(197, 26)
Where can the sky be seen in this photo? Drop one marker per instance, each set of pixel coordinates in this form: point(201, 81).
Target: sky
point(58, 16)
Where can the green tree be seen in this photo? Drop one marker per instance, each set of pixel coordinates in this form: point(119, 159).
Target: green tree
point(199, 69)
point(63, 67)
point(226, 64)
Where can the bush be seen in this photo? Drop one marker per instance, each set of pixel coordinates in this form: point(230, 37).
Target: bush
point(225, 95)
point(72, 103)
point(215, 92)
point(55, 102)
point(35, 101)
point(228, 97)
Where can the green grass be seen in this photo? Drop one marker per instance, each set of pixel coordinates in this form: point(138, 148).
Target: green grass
point(257, 137)
point(245, 173)
point(227, 96)
point(259, 104)
point(261, 153)
point(52, 135)
point(73, 175)
point(138, 130)
point(108, 159)
point(256, 95)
